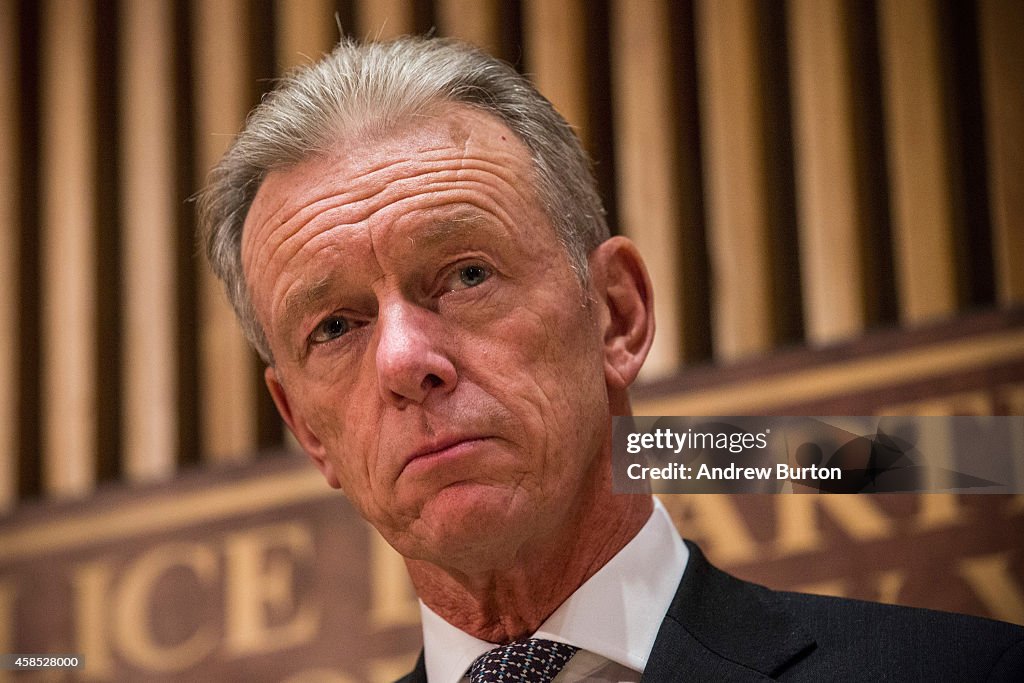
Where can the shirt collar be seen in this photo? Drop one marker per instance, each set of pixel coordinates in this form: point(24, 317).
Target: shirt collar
point(616, 613)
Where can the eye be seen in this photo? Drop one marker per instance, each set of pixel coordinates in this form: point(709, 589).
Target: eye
point(329, 328)
point(471, 275)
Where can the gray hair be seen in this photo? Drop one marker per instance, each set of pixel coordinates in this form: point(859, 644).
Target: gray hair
point(370, 88)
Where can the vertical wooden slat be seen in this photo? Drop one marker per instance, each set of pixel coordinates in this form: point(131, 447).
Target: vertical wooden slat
point(826, 161)
point(108, 272)
point(9, 151)
point(1001, 27)
point(384, 19)
point(305, 30)
point(227, 377)
point(556, 57)
point(923, 193)
point(475, 21)
point(649, 181)
point(68, 240)
point(735, 168)
point(149, 392)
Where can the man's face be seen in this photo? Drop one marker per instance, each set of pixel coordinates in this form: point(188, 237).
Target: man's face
point(434, 351)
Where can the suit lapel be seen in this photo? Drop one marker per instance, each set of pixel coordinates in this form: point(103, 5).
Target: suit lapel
point(721, 628)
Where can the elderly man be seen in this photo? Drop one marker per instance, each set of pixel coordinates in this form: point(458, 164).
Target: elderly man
point(412, 240)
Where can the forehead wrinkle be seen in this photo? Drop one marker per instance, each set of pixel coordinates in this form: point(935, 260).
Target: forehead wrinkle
point(445, 171)
point(395, 173)
point(288, 210)
point(272, 232)
point(356, 202)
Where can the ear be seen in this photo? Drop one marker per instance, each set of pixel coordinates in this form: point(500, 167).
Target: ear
point(623, 285)
point(303, 434)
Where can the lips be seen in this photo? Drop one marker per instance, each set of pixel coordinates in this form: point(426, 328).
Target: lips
point(443, 448)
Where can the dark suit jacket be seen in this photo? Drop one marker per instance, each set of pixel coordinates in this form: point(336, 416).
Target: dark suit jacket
point(720, 628)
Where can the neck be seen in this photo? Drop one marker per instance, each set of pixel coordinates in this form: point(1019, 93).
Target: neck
point(502, 605)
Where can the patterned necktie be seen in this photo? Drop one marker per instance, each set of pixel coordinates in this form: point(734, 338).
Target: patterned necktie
point(526, 661)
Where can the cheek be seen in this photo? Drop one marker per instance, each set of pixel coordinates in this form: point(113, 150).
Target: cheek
point(552, 376)
point(563, 350)
point(342, 427)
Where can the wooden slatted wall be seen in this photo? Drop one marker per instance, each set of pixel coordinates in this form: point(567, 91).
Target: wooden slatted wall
point(798, 173)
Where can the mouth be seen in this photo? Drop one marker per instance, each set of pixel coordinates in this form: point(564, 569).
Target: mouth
point(442, 450)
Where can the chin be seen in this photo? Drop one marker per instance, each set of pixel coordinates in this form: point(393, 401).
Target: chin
point(469, 523)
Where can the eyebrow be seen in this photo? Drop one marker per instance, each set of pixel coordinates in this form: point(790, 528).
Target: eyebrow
point(441, 231)
point(298, 303)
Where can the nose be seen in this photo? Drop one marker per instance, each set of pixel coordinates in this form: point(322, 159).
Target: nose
point(411, 357)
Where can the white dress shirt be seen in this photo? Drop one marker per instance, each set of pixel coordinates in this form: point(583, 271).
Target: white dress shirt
point(613, 618)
